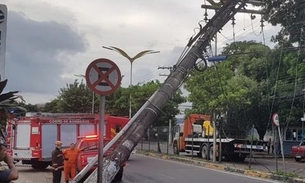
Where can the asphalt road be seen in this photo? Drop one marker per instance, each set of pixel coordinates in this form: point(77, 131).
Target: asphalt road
point(264, 164)
point(29, 175)
point(142, 169)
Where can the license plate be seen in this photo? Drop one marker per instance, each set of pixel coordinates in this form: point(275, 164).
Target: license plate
point(297, 156)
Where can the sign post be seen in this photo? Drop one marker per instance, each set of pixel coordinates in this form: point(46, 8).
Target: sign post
point(303, 119)
point(3, 25)
point(103, 77)
point(276, 122)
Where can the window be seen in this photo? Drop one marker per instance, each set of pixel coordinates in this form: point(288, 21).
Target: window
point(288, 134)
point(68, 134)
point(300, 135)
point(86, 129)
point(83, 145)
point(294, 134)
point(89, 144)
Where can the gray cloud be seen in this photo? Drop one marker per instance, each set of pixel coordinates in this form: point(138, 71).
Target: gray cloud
point(34, 52)
point(45, 49)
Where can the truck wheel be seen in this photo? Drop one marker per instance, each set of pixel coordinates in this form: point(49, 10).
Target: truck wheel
point(298, 159)
point(119, 175)
point(211, 153)
point(204, 152)
point(175, 148)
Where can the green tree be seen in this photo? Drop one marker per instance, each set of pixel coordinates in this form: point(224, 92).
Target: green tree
point(75, 98)
point(287, 81)
point(118, 102)
point(234, 87)
point(30, 107)
point(290, 15)
point(52, 106)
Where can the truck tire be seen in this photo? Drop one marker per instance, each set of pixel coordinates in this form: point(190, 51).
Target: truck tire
point(175, 148)
point(119, 175)
point(298, 159)
point(211, 153)
point(204, 152)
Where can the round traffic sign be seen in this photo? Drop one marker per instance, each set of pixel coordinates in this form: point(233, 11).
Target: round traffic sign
point(103, 76)
point(275, 119)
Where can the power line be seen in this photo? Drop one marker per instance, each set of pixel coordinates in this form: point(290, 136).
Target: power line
point(150, 76)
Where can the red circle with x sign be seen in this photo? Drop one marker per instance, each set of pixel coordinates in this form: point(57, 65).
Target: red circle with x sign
point(275, 120)
point(103, 76)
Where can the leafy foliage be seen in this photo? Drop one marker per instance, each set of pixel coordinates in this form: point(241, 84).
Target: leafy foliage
point(118, 102)
point(77, 98)
point(250, 86)
point(290, 15)
point(8, 104)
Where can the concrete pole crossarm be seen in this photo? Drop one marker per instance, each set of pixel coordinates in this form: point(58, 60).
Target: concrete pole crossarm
point(259, 12)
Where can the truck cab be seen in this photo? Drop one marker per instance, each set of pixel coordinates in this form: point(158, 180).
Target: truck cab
point(89, 149)
point(195, 124)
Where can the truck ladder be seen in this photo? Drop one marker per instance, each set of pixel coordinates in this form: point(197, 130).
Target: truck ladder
point(150, 112)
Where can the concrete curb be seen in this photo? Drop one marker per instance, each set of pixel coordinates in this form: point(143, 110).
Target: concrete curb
point(216, 166)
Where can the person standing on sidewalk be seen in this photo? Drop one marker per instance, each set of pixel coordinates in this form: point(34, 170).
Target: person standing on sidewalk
point(70, 162)
point(57, 162)
point(269, 146)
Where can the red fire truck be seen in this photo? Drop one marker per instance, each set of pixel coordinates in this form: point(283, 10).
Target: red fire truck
point(31, 138)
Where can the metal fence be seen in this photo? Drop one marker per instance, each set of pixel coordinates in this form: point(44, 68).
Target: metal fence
point(158, 139)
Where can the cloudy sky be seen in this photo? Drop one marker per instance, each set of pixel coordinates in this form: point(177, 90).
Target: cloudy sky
point(51, 41)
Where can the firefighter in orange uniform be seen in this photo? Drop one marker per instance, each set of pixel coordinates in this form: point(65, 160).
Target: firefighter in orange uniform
point(70, 162)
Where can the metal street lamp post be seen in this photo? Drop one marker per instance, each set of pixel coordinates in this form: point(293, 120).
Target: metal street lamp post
point(131, 60)
point(303, 118)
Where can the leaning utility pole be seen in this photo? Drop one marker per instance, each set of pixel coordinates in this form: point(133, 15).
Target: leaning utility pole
point(168, 68)
point(139, 124)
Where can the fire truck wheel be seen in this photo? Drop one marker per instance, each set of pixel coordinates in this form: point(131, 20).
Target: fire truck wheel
point(40, 165)
point(119, 175)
